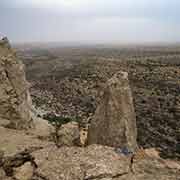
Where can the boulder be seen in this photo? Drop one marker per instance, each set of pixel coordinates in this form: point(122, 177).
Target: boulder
point(15, 100)
point(42, 129)
point(114, 122)
point(97, 162)
point(73, 163)
point(24, 172)
point(2, 174)
point(69, 135)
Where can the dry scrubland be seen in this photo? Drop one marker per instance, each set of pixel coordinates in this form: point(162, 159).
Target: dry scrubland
point(65, 81)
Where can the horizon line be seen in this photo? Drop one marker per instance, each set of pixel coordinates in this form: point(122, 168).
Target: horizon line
point(105, 43)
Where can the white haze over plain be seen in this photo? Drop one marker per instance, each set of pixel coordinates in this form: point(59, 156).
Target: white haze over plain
point(94, 21)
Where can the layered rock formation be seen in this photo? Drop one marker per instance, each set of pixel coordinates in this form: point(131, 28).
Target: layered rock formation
point(114, 123)
point(15, 101)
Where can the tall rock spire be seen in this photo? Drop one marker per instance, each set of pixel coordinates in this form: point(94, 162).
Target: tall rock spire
point(114, 122)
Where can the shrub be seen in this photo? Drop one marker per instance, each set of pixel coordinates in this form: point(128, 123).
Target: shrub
point(57, 122)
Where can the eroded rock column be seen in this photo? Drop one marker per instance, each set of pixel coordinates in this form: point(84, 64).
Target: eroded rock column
point(15, 101)
point(114, 122)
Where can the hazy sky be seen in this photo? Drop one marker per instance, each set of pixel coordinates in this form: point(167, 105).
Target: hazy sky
point(100, 21)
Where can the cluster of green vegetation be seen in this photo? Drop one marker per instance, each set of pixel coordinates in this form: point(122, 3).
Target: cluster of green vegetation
point(57, 122)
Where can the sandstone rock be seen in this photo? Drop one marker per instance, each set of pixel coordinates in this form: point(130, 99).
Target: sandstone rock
point(155, 168)
point(97, 162)
point(42, 129)
point(4, 122)
point(114, 123)
point(94, 162)
point(5, 42)
point(13, 141)
point(15, 101)
point(2, 174)
point(75, 163)
point(24, 172)
point(68, 135)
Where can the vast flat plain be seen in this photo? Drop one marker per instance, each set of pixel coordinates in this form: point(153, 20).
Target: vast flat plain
point(65, 81)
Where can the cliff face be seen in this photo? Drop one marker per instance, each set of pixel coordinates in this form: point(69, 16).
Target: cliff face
point(15, 101)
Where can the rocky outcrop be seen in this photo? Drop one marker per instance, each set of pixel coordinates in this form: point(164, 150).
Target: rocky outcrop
point(94, 162)
point(15, 101)
point(4, 42)
point(13, 141)
point(24, 172)
point(114, 123)
point(100, 162)
point(68, 135)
